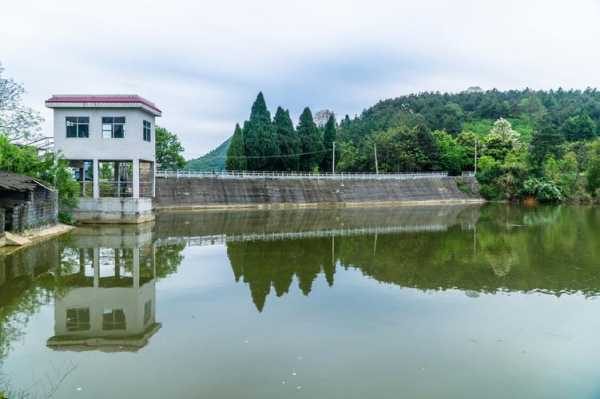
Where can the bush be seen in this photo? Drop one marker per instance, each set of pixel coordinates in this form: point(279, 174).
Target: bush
point(543, 190)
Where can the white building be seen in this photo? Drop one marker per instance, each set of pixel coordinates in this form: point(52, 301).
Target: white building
point(110, 300)
point(109, 141)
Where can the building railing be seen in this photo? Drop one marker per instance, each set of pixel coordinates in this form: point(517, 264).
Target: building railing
point(110, 188)
point(232, 174)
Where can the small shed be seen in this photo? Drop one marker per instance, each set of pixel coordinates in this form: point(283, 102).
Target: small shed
point(26, 203)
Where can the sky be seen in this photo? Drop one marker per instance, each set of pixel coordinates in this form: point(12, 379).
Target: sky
point(203, 62)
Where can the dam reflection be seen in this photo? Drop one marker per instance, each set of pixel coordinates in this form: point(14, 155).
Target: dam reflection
point(549, 250)
point(106, 291)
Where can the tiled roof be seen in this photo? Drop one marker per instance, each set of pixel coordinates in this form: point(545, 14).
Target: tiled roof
point(16, 182)
point(105, 98)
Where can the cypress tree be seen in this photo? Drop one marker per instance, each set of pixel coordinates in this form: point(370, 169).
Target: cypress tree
point(329, 136)
point(236, 157)
point(259, 137)
point(287, 140)
point(311, 141)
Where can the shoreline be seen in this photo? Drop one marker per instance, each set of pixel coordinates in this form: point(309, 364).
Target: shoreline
point(312, 205)
point(35, 236)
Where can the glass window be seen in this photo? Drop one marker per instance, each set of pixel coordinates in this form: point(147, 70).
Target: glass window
point(115, 178)
point(78, 319)
point(113, 127)
point(113, 319)
point(147, 311)
point(147, 131)
point(78, 126)
point(146, 179)
point(83, 173)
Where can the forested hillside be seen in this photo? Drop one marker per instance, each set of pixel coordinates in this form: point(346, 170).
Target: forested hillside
point(527, 143)
point(214, 160)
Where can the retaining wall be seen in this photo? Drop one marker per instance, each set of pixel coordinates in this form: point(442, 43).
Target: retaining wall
point(207, 192)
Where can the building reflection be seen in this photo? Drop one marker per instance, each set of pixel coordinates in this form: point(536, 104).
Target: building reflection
point(106, 294)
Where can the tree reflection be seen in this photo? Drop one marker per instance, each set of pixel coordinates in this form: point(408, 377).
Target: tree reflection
point(553, 250)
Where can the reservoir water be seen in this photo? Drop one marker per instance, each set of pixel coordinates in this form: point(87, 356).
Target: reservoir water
point(425, 302)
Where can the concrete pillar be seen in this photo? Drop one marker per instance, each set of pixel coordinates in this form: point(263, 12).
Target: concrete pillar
point(96, 264)
point(136, 268)
point(136, 178)
point(96, 185)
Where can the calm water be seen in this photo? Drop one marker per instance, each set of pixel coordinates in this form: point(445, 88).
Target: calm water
point(453, 302)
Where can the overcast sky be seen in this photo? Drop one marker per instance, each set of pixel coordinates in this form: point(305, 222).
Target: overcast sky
point(203, 62)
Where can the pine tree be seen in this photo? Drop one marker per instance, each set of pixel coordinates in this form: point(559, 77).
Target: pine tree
point(329, 136)
point(259, 137)
point(546, 140)
point(311, 140)
point(287, 141)
point(236, 157)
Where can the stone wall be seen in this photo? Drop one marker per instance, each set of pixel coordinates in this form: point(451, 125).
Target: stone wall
point(278, 192)
point(33, 209)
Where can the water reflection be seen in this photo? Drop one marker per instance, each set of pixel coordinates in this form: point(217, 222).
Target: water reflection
point(109, 299)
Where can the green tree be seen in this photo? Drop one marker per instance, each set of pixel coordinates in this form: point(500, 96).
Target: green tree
point(329, 137)
point(17, 122)
point(428, 147)
point(259, 137)
point(168, 150)
point(287, 140)
point(452, 153)
point(50, 168)
point(546, 141)
point(579, 127)
point(236, 157)
point(311, 141)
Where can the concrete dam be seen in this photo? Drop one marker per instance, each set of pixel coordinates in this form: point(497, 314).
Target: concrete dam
point(226, 191)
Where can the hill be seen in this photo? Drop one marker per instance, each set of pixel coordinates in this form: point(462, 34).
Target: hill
point(214, 160)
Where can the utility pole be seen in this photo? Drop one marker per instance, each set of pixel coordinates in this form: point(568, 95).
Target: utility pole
point(376, 165)
point(333, 159)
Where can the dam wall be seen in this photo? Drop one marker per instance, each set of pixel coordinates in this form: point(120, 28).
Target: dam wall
point(218, 192)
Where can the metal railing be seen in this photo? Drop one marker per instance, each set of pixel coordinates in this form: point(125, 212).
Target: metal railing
point(232, 174)
point(111, 188)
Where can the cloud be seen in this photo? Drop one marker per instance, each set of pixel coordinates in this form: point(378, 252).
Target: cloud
point(204, 62)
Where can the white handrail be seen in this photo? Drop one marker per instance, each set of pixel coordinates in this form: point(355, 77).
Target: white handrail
point(248, 174)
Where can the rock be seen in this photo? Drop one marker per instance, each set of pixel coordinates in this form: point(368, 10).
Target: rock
point(14, 239)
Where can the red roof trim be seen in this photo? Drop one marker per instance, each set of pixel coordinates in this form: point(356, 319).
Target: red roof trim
point(128, 99)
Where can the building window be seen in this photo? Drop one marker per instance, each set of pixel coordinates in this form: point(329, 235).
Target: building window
point(113, 319)
point(147, 134)
point(113, 127)
point(147, 311)
point(83, 173)
point(78, 126)
point(78, 319)
point(115, 178)
point(146, 179)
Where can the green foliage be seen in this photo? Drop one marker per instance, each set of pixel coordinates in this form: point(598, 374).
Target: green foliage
point(49, 168)
point(236, 157)
point(546, 141)
point(579, 127)
point(287, 140)
point(452, 153)
point(260, 137)
point(311, 141)
point(329, 136)
point(168, 150)
point(593, 173)
point(214, 160)
point(542, 189)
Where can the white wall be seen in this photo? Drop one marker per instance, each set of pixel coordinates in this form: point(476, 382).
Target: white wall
point(131, 147)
